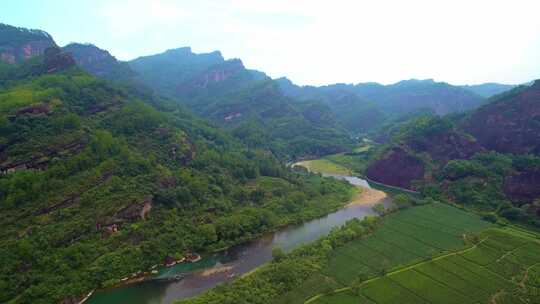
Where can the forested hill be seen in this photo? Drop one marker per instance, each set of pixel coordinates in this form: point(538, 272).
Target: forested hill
point(97, 183)
point(373, 107)
point(488, 159)
point(244, 101)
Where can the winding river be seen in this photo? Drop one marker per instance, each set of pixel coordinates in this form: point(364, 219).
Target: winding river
point(227, 265)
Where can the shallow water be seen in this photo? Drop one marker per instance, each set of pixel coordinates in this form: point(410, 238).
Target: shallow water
point(227, 265)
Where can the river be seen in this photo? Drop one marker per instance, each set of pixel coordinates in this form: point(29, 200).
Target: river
point(227, 265)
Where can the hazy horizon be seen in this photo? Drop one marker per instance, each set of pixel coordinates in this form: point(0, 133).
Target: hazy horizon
point(312, 42)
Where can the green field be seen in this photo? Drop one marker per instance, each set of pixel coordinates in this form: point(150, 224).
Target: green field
point(429, 254)
point(323, 166)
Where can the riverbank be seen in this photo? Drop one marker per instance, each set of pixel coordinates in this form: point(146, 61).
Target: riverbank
point(367, 196)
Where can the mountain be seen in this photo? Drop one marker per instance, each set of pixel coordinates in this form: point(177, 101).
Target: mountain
point(368, 106)
point(488, 159)
point(180, 72)
point(510, 123)
point(488, 89)
point(98, 183)
point(18, 44)
point(99, 62)
point(244, 101)
point(410, 95)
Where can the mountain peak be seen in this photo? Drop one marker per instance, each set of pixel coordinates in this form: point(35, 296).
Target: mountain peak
point(414, 81)
point(98, 62)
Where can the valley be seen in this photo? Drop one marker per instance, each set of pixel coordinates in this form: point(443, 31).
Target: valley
point(225, 266)
point(184, 177)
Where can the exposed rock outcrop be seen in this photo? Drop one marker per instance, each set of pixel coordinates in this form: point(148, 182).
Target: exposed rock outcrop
point(56, 60)
point(510, 124)
point(19, 44)
point(446, 146)
point(523, 187)
point(397, 168)
point(136, 211)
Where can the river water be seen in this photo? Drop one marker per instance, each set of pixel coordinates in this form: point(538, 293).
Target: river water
point(227, 265)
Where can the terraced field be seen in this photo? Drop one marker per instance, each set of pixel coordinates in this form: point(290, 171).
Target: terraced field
point(429, 254)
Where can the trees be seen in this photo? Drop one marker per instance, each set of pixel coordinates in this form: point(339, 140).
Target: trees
point(277, 254)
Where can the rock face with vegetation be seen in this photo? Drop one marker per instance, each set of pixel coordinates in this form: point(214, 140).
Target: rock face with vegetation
point(422, 146)
point(524, 186)
point(510, 123)
point(18, 44)
point(488, 159)
point(397, 168)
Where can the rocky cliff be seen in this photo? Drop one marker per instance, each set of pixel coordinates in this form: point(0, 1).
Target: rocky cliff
point(509, 124)
point(19, 44)
point(523, 187)
point(397, 168)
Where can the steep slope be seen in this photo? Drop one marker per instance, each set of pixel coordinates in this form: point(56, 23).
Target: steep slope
point(489, 161)
point(99, 62)
point(96, 184)
point(18, 44)
point(510, 123)
point(422, 148)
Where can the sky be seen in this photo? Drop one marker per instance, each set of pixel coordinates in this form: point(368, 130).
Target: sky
point(310, 41)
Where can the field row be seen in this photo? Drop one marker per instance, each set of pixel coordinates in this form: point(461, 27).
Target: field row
point(407, 237)
point(504, 268)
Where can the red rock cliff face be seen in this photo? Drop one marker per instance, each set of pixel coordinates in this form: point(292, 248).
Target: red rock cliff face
point(398, 169)
point(509, 125)
point(523, 187)
point(19, 44)
point(19, 53)
point(215, 74)
point(446, 146)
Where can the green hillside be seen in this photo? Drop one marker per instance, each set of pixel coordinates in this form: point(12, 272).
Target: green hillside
point(98, 184)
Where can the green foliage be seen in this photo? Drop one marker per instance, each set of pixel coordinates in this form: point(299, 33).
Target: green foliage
point(92, 155)
point(425, 126)
point(277, 254)
point(402, 201)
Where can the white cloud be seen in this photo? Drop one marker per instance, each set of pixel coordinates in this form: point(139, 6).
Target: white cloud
point(317, 42)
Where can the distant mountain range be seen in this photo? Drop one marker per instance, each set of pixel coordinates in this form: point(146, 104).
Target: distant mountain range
point(369, 106)
point(208, 85)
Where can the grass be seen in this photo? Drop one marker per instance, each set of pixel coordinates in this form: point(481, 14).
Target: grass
point(324, 166)
point(419, 255)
